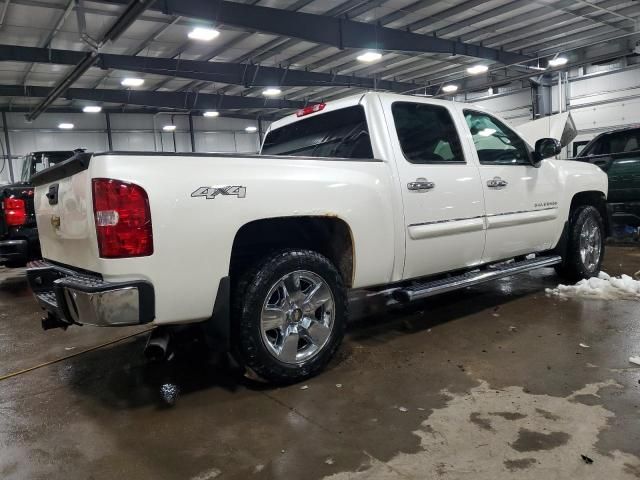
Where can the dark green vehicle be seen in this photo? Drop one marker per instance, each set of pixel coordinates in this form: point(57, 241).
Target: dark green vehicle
point(618, 154)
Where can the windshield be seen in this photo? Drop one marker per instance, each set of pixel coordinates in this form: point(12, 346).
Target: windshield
point(38, 161)
point(339, 134)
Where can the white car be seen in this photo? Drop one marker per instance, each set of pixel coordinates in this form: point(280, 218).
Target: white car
point(373, 191)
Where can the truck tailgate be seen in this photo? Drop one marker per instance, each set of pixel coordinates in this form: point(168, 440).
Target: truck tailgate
point(64, 215)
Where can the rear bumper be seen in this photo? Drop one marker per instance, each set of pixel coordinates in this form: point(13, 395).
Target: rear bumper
point(73, 297)
point(14, 251)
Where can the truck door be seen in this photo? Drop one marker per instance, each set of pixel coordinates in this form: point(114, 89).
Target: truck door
point(441, 190)
point(521, 200)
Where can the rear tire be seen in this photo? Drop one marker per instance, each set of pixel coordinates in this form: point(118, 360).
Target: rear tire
point(585, 245)
point(289, 316)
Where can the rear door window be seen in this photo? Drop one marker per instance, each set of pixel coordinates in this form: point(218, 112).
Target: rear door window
point(427, 133)
point(339, 134)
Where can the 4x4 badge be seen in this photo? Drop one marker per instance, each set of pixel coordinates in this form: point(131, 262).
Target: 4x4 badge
point(213, 192)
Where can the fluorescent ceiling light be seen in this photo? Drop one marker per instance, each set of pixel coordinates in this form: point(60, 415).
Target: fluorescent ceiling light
point(169, 128)
point(66, 126)
point(477, 69)
point(203, 34)
point(251, 129)
point(558, 61)
point(271, 92)
point(369, 56)
point(132, 82)
point(211, 113)
point(92, 109)
point(450, 88)
point(487, 132)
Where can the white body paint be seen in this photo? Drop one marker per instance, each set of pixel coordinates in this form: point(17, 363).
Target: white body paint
point(397, 234)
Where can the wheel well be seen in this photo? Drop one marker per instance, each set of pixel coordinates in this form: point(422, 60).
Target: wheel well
point(596, 199)
point(329, 236)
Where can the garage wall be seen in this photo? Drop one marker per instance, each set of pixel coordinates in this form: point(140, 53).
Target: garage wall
point(128, 132)
point(600, 98)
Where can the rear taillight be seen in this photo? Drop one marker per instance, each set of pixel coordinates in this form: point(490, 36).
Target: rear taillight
point(123, 219)
point(15, 212)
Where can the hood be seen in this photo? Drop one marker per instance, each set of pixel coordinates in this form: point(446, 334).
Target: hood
point(560, 126)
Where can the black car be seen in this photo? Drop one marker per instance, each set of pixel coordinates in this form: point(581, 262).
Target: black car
point(18, 232)
point(618, 154)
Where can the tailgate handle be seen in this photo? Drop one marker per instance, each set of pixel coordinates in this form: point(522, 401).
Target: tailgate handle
point(52, 195)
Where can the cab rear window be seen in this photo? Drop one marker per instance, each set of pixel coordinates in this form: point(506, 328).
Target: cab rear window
point(339, 134)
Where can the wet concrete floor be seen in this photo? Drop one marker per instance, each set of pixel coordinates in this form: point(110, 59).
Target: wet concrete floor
point(486, 383)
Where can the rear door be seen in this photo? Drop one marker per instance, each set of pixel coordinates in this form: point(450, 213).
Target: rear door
point(441, 190)
point(521, 200)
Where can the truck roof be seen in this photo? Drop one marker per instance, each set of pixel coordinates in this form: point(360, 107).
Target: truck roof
point(358, 98)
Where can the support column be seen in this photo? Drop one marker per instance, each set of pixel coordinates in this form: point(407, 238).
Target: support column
point(192, 134)
point(109, 138)
point(7, 146)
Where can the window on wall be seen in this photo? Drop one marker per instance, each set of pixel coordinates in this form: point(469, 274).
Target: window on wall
point(496, 143)
point(427, 133)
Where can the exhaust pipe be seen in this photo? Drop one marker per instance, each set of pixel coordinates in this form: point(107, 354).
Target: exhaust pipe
point(158, 346)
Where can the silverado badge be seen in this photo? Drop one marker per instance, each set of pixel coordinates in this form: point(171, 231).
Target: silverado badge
point(55, 221)
point(212, 192)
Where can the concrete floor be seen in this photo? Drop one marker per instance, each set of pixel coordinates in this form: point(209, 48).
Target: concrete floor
point(486, 383)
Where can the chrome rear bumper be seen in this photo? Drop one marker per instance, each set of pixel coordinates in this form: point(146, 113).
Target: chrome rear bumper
point(84, 298)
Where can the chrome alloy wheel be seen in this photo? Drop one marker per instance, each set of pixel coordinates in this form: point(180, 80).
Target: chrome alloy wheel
point(297, 317)
point(590, 244)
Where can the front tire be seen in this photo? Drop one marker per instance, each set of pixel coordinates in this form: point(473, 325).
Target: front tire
point(290, 313)
point(585, 245)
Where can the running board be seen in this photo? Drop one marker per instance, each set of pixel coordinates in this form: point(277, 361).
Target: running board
point(420, 290)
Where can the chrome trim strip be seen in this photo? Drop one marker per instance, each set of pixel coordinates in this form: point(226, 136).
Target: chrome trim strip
point(480, 216)
point(439, 229)
point(521, 218)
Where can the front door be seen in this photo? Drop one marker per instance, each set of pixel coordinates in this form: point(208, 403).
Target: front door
point(521, 200)
point(441, 189)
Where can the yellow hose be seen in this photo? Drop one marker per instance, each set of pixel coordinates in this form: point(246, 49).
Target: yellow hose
point(71, 355)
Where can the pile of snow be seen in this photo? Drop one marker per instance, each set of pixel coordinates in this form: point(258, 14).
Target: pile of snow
point(604, 287)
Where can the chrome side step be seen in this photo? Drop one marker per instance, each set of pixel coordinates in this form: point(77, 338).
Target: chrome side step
point(420, 290)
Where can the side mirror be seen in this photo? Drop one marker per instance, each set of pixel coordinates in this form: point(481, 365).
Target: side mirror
point(545, 148)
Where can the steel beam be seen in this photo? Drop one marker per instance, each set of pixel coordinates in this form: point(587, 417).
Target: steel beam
point(174, 100)
point(221, 72)
point(133, 10)
point(323, 29)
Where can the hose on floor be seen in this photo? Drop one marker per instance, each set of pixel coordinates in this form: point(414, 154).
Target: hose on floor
point(71, 355)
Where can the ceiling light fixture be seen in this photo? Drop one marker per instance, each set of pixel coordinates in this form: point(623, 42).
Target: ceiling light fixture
point(558, 61)
point(251, 129)
point(169, 128)
point(211, 113)
point(203, 34)
point(477, 69)
point(450, 88)
point(92, 109)
point(271, 92)
point(66, 126)
point(132, 82)
point(369, 56)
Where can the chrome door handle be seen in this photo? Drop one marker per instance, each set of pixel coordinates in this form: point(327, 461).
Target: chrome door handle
point(497, 182)
point(420, 185)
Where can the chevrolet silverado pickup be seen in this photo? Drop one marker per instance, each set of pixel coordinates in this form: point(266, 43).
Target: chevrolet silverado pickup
point(414, 195)
point(18, 233)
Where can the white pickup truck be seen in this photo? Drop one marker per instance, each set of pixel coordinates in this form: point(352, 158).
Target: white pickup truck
point(416, 195)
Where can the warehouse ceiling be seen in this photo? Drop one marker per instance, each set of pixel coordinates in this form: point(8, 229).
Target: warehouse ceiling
point(307, 49)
